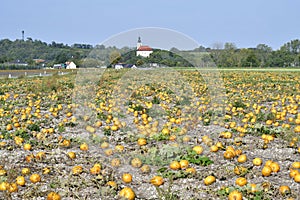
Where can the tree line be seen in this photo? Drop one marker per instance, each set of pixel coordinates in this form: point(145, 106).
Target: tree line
point(288, 55)
point(227, 55)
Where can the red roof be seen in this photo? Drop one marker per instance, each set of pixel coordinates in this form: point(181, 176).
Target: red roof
point(144, 48)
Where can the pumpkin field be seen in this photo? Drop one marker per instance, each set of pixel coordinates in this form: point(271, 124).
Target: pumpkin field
point(151, 134)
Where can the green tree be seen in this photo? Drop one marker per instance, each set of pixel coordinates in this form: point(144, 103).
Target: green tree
point(263, 53)
point(114, 57)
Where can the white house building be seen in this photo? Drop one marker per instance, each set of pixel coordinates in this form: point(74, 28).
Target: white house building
point(70, 65)
point(141, 50)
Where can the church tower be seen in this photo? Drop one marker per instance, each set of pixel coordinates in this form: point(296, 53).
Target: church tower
point(139, 43)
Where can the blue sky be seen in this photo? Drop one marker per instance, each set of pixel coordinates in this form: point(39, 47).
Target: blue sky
point(245, 23)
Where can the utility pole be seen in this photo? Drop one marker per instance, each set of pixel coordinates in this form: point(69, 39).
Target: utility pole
point(23, 35)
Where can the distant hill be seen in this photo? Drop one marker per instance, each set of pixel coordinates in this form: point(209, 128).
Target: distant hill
point(27, 51)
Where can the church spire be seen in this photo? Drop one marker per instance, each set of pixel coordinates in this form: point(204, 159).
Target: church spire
point(139, 43)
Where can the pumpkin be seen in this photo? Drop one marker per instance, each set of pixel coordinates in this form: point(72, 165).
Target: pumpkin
point(157, 180)
point(4, 186)
point(119, 148)
point(241, 181)
point(34, 178)
point(142, 141)
point(127, 193)
point(191, 170)
point(127, 178)
point(136, 162)
point(214, 148)
point(235, 195)
point(275, 167)
point(72, 155)
point(25, 171)
point(266, 171)
point(209, 180)
point(198, 149)
point(13, 187)
point(145, 169)
point(20, 180)
point(77, 170)
point(175, 165)
point(27, 147)
point(296, 165)
point(84, 147)
point(115, 162)
point(53, 196)
point(257, 161)
point(293, 173)
point(297, 178)
point(284, 189)
point(242, 158)
point(183, 164)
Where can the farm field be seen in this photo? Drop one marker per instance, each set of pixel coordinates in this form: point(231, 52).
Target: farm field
point(151, 134)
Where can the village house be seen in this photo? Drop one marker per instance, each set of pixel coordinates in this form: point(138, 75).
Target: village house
point(66, 65)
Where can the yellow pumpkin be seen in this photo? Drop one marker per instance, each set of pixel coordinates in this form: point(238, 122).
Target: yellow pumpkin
point(228, 154)
point(175, 165)
point(275, 167)
point(142, 141)
point(13, 187)
point(266, 171)
point(191, 170)
point(183, 164)
point(72, 155)
point(235, 195)
point(198, 149)
point(127, 193)
point(20, 180)
point(27, 147)
point(145, 169)
point(53, 196)
point(241, 181)
point(2, 172)
point(95, 170)
point(127, 178)
point(257, 161)
point(25, 171)
point(209, 180)
point(293, 173)
point(4, 186)
point(296, 165)
point(115, 162)
point(284, 189)
point(136, 162)
point(157, 180)
point(242, 158)
point(238, 170)
point(112, 184)
point(119, 148)
point(214, 148)
point(34, 178)
point(297, 178)
point(84, 147)
point(77, 170)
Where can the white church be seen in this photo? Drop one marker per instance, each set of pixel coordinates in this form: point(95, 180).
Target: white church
point(141, 50)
